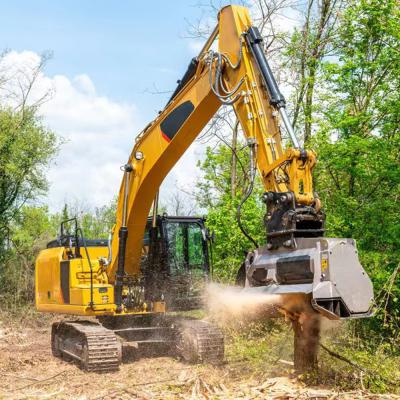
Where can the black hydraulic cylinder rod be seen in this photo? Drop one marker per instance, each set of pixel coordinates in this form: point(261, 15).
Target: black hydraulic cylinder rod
point(122, 236)
point(254, 41)
point(189, 74)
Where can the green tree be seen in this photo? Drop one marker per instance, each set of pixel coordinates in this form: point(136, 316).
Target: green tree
point(303, 57)
point(215, 195)
point(358, 176)
point(64, 213)
point(31, 230)
point(98, 224)
point(26, 147)
point(95, 223)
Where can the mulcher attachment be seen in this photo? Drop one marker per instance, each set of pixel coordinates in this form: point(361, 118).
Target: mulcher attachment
point(322, 272)
point(96, 348)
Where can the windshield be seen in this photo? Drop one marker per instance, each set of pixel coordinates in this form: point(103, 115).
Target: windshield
point(185, 247)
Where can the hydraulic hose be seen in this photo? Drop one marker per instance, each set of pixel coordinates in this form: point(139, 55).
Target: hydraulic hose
point(249, 191)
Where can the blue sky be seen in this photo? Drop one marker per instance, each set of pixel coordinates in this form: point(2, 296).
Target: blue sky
point(126, 47)
point(108, 56)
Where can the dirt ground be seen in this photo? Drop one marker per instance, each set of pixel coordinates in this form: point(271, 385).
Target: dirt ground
point(29, 371)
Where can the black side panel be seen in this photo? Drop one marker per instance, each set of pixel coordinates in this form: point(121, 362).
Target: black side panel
point(191, 70)
point(291, 270)
point(64, 278)
point(175, 119)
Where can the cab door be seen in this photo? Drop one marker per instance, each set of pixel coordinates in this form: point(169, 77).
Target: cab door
point(187, 261)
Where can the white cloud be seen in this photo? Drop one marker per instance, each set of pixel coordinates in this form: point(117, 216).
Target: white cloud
point(98, 133)
point(85, 84)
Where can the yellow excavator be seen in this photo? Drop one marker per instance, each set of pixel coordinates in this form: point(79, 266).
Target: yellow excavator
point(153, 265)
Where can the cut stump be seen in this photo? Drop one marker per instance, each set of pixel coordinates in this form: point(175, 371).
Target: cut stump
point(306, 342)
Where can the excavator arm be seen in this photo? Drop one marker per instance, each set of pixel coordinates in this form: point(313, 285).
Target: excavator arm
point(156, 151)
point(237, 74)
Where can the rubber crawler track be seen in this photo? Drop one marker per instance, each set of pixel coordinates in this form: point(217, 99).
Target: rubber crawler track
point(209, 340)
point(95, 347)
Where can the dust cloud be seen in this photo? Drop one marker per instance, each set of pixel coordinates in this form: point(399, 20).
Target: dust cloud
point(232, 303)
point(330, 327)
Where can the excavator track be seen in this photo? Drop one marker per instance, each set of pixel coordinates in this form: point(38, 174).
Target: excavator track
point(200, 341)
point(96, 348)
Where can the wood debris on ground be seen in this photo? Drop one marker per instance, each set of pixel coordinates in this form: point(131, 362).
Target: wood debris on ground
point(29, 371)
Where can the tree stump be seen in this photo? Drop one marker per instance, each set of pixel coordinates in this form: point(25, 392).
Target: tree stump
point(306, 343)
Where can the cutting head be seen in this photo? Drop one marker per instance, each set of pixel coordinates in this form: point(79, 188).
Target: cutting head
point(322, 273)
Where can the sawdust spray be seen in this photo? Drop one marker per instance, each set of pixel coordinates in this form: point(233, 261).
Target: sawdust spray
point(229, 304)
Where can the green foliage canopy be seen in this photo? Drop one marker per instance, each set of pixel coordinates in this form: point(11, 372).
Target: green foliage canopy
point(214, 194)
point(358, 176)
point(26, 147)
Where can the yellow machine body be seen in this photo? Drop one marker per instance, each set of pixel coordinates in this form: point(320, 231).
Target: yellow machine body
point(64, 285)
point(67, 285)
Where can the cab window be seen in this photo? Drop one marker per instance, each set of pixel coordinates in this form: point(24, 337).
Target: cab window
point(185, 247)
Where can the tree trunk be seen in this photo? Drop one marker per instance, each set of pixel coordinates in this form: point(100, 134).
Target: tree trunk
point(234, 160)
point(306, 343)
point(308, 106)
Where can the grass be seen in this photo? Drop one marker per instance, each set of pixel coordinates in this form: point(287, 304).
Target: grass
point(267, 348)
point(26, 316)
point(379, 357)
point(259, 343)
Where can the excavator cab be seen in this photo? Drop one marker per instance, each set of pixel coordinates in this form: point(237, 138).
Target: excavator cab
point(175, 261)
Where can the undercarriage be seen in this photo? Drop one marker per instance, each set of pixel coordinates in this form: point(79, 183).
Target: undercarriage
point(101, 346)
